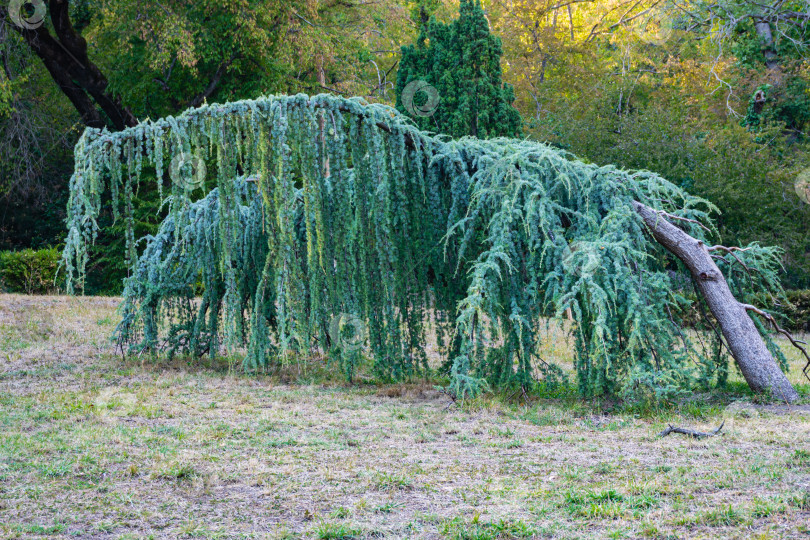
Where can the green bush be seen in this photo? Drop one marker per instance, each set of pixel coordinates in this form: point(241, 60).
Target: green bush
point(29, 271)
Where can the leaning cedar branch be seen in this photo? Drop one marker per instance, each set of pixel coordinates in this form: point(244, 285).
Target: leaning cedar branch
point(756, 363)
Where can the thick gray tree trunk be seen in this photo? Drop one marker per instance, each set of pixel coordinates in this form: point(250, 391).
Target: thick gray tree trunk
point(758, 366)
point(764, 32)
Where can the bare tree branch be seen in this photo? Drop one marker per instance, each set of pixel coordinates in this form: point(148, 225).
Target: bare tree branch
point(796, 343)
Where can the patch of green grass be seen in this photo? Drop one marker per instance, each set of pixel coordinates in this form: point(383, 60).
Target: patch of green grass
point(46, 530)
point(606, 504)
point(504, 433)
point(765, 508)
point(800, 459)
point(384, 481)
point(55, 469)
point(177, 471)
point(458, 529)
point(549, 416)
point(604, 467)
point(341, 512)
point(650, 530)
point(387, 507)
point(724, 516)
point(281, 443)
point(801, 501)
point(700, 410)
point(172, 431)
point(509, 445)
point(194, 529)
point(337, 531)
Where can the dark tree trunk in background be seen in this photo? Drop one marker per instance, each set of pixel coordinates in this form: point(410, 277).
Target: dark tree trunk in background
point(758, 366)
point(763, 28)
point(65, 57)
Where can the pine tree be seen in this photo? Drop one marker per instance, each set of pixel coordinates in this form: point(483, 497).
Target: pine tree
point(461, 60)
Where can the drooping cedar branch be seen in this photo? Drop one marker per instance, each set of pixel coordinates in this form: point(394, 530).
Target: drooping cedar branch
point(64, 55)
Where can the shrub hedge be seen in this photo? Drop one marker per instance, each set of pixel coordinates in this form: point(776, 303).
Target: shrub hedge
point(29, 271)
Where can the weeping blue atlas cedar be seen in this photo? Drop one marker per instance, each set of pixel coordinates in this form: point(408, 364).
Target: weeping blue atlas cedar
point(322, 207)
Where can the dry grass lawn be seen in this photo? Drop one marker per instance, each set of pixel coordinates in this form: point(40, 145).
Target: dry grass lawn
point(95, 447)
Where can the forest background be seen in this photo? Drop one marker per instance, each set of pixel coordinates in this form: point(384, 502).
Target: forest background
point(714, 96)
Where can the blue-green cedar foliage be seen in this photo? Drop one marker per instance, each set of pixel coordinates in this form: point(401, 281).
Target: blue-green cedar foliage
point(322, 206)
point(462, 61)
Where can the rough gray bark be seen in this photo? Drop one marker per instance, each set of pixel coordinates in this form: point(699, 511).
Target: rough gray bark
point(758, 366)
point(764, 32)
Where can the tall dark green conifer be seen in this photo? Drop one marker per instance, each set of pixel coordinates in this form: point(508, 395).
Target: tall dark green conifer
point(461, 60)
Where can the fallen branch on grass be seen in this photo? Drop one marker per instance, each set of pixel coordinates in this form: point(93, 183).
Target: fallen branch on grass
point(691, 432)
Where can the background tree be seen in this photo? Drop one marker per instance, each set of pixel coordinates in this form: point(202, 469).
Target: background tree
point(598, 78)
point(462, 61)
point(665, 86)
point(105, 63)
